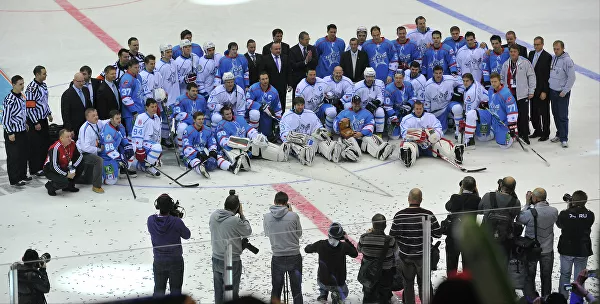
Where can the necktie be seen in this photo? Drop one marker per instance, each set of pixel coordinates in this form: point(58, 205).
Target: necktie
point(353, 63)
point(304, 52)
point(253, 56)
point(114, 89)
point(80, 93)
point(535, 58)
point(277, 63)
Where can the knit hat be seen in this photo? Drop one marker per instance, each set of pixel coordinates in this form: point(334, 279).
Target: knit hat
point(336, 231)
point(30, 255)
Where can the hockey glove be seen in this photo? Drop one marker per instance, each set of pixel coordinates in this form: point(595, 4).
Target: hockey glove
point(140, 155)
point(213, 154)
point(123, 163)
point(373, 105)
point(394, 120)
point(337, 103)
point(405, 109)
point(128, 152)
point(432, 136)
point(512, 129)
point(484, 105)
point(201, 156)
point(189, 78)
point(456, 96)
point(265, 108)
point(486, 85)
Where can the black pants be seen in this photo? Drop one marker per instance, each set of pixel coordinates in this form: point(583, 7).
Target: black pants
point(282, 95)
point(452, 254)
point(16, 157)
point(382, 292)
point(411, 268)
point(540, 115)
point(56, 180)
point(523, 120)
point(39, 142)
point(293, 266)
point(171, 271)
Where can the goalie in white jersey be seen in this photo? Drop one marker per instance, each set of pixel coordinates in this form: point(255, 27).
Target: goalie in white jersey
point(303, 131)
point(313, 90)
point(422, 136)
point(230, 93)
point(146, 140)
point(341, 89)
point(187, 65)
point(370, 91)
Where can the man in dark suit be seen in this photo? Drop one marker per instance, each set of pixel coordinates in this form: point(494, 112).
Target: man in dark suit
point(540, 103)
point(108, 96)
point(277, 67)
point(91, 83)
point(277, 37)
point(303, 56)
point(511, 38)
point(73, 103)
point(354, 62)
point(255, 61)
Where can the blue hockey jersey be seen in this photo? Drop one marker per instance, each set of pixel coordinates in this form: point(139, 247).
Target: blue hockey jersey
point(407, 53)
point(256, 97)
point(113, 140)
point(382, 57)
point(503, 105)
point(131, 95)
point(236, 127)
point(492, 63)
point(442, 56)
point(238, 66)
point(395, 97)
point(329, 53)
point(361, 121)
point(196, 49)
point(454, 44)
point(185, 107)
point(195, 141)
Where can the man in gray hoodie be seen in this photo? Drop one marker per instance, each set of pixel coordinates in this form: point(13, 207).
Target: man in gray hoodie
point(282, 225)
point(546, 217)
point(225, 226)
point(562, 78)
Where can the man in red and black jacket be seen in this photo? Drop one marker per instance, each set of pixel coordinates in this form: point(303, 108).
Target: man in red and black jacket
point(63, 159)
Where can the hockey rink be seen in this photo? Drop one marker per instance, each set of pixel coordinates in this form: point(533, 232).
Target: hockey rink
point(100, 244)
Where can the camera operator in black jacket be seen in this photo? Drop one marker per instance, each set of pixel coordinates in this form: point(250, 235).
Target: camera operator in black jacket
point(33, 279)
point(575, 244)
point(466, 200)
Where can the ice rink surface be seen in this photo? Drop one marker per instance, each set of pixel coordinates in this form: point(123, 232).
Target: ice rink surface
point(63, 35)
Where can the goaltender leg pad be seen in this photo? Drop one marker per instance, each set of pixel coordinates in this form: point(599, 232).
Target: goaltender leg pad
point(241, 143)
point(297, 138)
point(273, 152)
point(305, 154)
point(409, 151)
point(331, 150)
point(235, 154)
point(350, 149)
point(375, 146)
point(448, 149)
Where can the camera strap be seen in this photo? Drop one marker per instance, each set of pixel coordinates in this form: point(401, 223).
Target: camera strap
point(535, 215)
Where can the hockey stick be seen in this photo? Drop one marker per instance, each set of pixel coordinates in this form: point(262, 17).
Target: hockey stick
point(192, 168)
point(173, 138)
point(169, 177)
point(519, 139)
point(463, 169)
point(141, 199)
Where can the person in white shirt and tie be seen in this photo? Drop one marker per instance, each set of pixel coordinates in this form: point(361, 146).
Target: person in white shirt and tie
point(540, 103)
point(73, 102)
point(303, 56)
point(354, 62)
point(90, 143)
point(90, 83)
point(277, 67)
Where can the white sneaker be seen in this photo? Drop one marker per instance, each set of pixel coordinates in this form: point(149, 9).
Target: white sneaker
point(564, 144)
point(555, 139)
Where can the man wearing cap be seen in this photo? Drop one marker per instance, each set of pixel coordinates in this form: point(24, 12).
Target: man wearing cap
point(187, 65)
point(332, 262)
point(33, 279)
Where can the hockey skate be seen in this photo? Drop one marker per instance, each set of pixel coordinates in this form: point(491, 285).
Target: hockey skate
point(202, 169)
point(459, 150)
point(235, 166)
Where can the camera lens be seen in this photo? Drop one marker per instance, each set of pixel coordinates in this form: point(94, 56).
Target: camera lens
point(45, 257)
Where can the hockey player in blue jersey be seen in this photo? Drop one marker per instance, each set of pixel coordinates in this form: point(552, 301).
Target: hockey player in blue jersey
point(116, 149)
point(399, 99)
point(237, 65)
point(130, 87)
point(200, 149)
point(438, 55)
point(494, 59)
point(340, 91)
point(371, 91)
point(455, 41)
point(146, 140)
point(313, 90)
point(196, 49)
point(382, 55)
point(406, 49)
point(188, 104)
point(362, 124)
point(329, 50)
point(263, 104)
point(422, 136)
point(490, 123)
point(439, 91)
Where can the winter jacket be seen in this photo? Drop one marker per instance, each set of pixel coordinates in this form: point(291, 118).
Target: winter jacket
point(284, 230)
point(526, 80)
point(224, 225)
point(576, 226)
point(332, 261)
point(547, 216)
point(167, 230)
point(562, 73)
point(33, 284)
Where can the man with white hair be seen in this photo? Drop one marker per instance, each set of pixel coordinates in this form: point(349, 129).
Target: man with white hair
point(207, 70)
point(228, 92)
point(341, 89)
point(187, 65)
point(370, 92)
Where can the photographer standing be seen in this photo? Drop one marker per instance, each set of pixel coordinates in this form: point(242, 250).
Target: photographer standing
point(282, 225)
point(574, 244)
point(165, 230)
point(33, 279)
point(226, 227)
point(539, 218)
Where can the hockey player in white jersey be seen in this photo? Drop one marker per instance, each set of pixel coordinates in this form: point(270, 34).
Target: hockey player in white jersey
point(340, 90)
point(417, 80)
point(146, 140)
point(303, 131)
point(313, 90)
point(422, 136)
point(187, 65)
point(168, 71)
point(421, 36)
point(151, 81)
point(370, 91)
point(469, 58)
point(361, 36)
point(439, 92)
point(207, 70)
point(228, 92)
point(475, 95)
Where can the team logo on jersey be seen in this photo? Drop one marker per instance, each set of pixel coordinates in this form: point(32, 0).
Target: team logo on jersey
point(333, 57)
point(140, 122)
point(108, 137)
point(126, 82)
point(303, 128)
point(378, 58)
point(237, 69)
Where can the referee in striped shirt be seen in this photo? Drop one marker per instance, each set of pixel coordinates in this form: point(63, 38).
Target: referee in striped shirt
point(15, 126)
point(38, 115)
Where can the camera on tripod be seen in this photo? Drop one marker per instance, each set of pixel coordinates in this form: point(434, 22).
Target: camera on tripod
point(246, 245)
point(568, 198)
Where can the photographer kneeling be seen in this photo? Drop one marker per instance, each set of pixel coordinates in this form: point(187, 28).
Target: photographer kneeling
point(166, 231)
point(33, 279)
point(226, 227)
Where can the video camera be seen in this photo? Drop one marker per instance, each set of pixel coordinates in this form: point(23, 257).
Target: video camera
point(568, 198)
point(174, 209)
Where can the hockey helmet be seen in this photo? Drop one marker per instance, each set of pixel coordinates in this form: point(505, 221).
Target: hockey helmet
point(208, 45)
point(369, 72)
point(165, 47)
point(160, 94)
point(185, 42)
point(228, 76)
point(361, 28)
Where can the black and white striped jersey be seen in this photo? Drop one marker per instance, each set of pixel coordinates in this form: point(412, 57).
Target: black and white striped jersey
point(14, 118)
point(36, 101)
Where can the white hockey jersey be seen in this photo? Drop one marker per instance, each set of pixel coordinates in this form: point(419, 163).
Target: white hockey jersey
point(422, 40)
point(150, 82)
point(375, 92)
point(168, 72)
point(427, 120)
point(470, 60)
point(145, 129)
point(207, 72)
point(342, 90)
point(186, 66)
point(219, 96)
point(438, 95)
point(306, 123)
point(473, 96)
point(418, 84)
point(313, 94)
